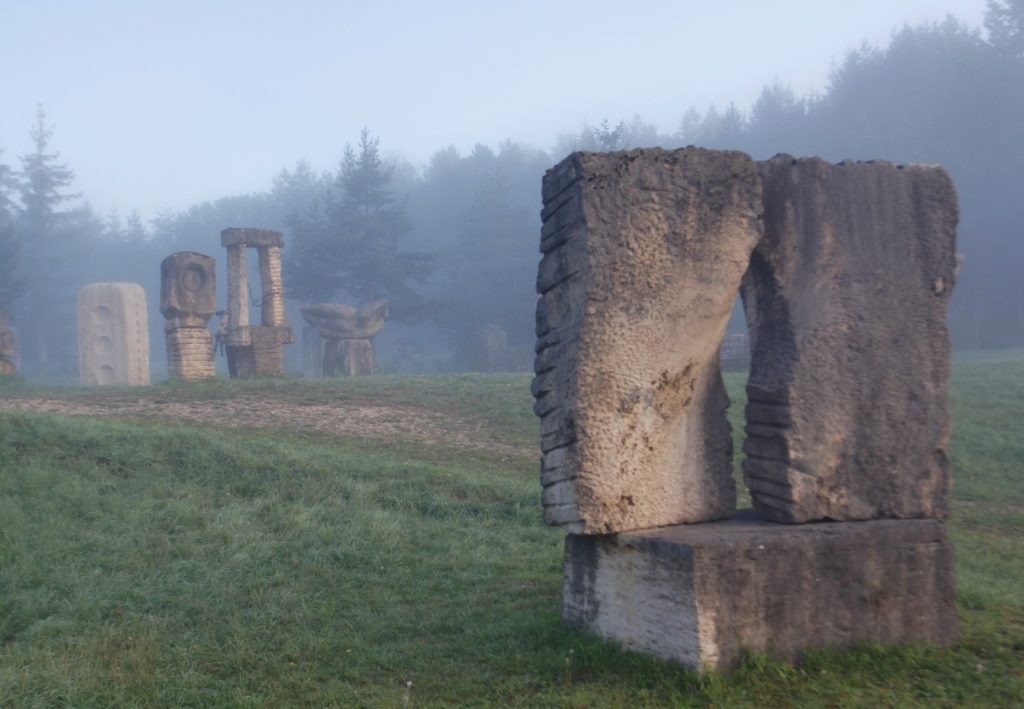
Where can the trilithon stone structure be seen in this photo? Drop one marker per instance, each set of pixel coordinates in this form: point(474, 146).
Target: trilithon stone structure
point(348, 334)
point(188, 298)
point(255, 350)
point(8, 347)
point(113, 337)
point(845, 272)
point(643, 257)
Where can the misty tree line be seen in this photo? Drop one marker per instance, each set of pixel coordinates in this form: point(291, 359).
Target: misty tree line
point(454, 244)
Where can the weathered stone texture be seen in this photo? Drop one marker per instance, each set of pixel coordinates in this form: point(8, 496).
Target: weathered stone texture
point(353, 358)
point(8, 347)
point(188, 299)
point(644, 252)
point(846, 301)
point(255, 350)
point(337, 321)
point(700, 594)
point(113, 339)
point(188, 289)
point(190, 353)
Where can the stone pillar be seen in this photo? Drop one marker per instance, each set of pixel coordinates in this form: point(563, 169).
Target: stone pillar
point(846, 300)
point(8, 347)
point(238, 287)
point(188, 296)
point(272, 314)
point(312, 352)
point(357, 356)
point(113, 338)
point(644, 252)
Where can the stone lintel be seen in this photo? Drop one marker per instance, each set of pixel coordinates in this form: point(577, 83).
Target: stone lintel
point(251, 237)
point(701, 594)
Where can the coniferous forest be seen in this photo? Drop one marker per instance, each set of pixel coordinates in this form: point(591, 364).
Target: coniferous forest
point(453, 243)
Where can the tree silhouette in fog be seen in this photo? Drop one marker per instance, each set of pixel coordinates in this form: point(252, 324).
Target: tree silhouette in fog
point(348, 244)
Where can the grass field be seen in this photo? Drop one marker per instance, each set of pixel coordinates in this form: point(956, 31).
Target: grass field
point(150, 562)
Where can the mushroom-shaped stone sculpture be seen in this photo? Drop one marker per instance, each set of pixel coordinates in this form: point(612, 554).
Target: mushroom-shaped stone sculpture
point(348, 331)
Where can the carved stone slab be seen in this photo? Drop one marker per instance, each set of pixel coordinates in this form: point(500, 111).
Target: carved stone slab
point(113, 339)
point(644, 252)
point(846, 301)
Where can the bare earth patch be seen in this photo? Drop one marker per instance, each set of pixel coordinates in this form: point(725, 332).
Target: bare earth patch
point(348, 419)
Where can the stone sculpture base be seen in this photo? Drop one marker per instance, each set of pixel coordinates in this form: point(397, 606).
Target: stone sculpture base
point(190, 354)
point(351, 357)
point(700, 594)
point(257, 351)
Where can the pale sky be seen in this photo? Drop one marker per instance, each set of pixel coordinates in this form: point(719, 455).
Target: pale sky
point(158, 105)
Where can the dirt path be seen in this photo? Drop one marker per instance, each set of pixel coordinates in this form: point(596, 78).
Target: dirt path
point(350, 419)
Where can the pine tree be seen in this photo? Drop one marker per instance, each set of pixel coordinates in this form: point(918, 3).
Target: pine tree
point(348, 244)
point(52, 247)
point(11, 280)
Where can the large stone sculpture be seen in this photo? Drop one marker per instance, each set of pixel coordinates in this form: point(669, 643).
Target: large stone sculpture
point(188, 299)
point(845, 297)
point(8, 347)
point(348, 334)
point(846, 300)
point(643, 256)
point(255, 350)
point(113, 337)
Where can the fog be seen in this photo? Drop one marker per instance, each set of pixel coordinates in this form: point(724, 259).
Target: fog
point(178, 121)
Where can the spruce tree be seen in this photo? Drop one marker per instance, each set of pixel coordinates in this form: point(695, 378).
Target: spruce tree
point(348, 245)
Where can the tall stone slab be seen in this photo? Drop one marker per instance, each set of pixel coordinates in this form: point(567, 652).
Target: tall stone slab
point(113, 338)
point(644, 252)
point(188, 299)
point(846, 301)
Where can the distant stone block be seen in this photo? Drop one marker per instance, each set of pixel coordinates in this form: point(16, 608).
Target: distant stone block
point(113, 338)
point(846, 301)
point(701, 594)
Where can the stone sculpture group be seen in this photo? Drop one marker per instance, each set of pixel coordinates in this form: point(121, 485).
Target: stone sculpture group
point(845, 272)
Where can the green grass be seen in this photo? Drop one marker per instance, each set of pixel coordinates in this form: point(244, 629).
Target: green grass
point(152, 564)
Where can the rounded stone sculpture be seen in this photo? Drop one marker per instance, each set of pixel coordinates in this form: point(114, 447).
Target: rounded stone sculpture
point(347, 331)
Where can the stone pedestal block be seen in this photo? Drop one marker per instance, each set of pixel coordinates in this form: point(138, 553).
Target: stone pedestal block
point(353, 358)
point(700, 594)
point(846, 301)
point(644, 252)
point(190, 354)
point(113, 338)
